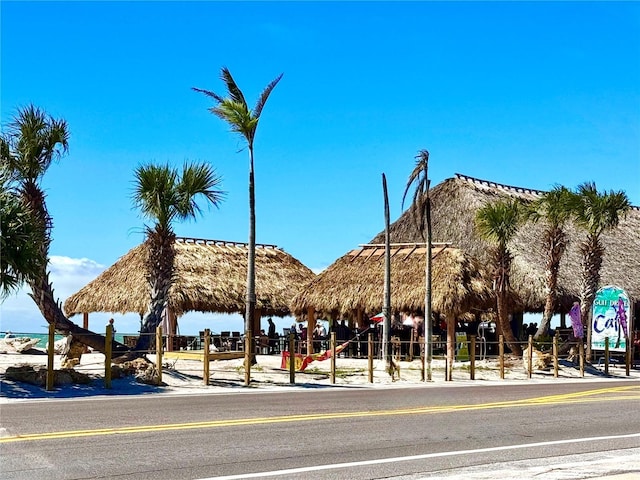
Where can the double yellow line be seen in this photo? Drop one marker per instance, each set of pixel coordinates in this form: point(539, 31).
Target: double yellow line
point(624, 393)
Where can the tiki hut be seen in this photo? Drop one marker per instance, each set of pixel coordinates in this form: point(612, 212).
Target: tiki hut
point(355, 283)
point(210, 276)
point(353, 286)
point(454, 205)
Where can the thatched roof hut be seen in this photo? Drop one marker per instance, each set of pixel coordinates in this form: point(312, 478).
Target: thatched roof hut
point(355, 282)
point(454, 205)
point(210, 276)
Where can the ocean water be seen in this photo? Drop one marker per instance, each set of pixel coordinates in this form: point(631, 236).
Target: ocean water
point(44, 337)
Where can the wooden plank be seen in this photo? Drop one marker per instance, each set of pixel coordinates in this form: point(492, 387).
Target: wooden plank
point(199, 355)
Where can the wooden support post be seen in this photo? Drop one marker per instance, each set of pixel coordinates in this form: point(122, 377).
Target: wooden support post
point(423, 357)
point(581, 354)
point(472, 357)
point(248, 356)
point(107, 356)
point(606, 355)
point(627, 357)
point(370, 356)
point(333, 357)
point(530, 357)
point(501, 355)
point(205, 358)
point(50, 347)
point(311, 326)
point(555, 355)
point(292, 357)
point(85, 320)
point(159, 353)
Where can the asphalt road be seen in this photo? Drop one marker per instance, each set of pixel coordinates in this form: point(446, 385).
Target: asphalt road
point(355, 433)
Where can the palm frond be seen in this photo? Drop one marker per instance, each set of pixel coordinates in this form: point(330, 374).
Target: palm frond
point(597, 212)
point(208, 93)
point(234, 92)
point(419, 177)
point(499, 221)
point(198, 179)
point(257, 110)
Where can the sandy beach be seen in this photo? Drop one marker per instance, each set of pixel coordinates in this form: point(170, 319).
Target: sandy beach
point(182, 374)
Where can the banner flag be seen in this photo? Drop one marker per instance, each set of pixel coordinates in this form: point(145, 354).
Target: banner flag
point(302, 361)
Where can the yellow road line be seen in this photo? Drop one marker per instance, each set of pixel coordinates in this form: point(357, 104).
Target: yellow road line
point(617, 394)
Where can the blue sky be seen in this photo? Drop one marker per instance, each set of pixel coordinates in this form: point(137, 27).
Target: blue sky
point(528, 94)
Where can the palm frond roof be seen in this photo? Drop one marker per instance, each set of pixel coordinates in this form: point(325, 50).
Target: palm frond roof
point(355, 282)
point(210, 276)
point(454, 203)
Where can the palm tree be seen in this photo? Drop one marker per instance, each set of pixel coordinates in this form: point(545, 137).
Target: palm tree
point(20, 258)
point(498, 223)
point(234, 110)
point(554, 208)
point(421, 206)
point(595, 213)
point(386, 308)
point(165, 196)
point(33, 141)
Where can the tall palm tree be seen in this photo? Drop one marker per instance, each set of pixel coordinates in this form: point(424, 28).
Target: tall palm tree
point(20, 256)
point(595, 213)
point(498, 223)
point(32, 142)
point(234, 110)
point(386, 308)
point(421, 206)
point(554, 209)
point(164, 195)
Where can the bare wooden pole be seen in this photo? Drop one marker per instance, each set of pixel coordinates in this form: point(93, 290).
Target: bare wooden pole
point(370, 356)
point(472, 357)
point(627, 357)
point(555, 355)
point(207, 340)
point(501, 355)
point(606, 355)
point(581, 355)
point(107, 356)
point(292, 358)
point(159, 353)
point(530, 356)
point(248, 355)
point(333, 357)
point(50, 349)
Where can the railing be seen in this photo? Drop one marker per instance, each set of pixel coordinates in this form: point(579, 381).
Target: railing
point(469, 355)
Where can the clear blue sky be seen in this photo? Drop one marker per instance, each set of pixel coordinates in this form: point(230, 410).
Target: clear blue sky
point(527, 94)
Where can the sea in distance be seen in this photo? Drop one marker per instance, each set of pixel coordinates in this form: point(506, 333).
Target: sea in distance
point(44, 337)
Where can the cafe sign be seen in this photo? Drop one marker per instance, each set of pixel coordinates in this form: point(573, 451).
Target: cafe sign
point(611, 317)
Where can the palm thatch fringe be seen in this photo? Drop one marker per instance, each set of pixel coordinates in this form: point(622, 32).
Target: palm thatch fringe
point(454, 203)
point(355, 282)
point(210, 276)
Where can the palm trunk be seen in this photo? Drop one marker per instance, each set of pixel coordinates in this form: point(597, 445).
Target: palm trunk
point(42, 295)
point(592, 253)
point(159, 265)
point(556, 245)
point(387, 282)
point(42, 290)
point(251, 274)
point(451, 346)
point(502, 298)
point(428, 325)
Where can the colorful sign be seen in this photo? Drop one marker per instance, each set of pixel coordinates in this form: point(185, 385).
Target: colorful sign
point(610, 319)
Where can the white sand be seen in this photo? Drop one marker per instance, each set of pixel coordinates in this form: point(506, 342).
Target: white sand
point(186, 375)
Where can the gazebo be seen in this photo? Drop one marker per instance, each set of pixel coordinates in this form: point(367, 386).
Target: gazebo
point(210, 276)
